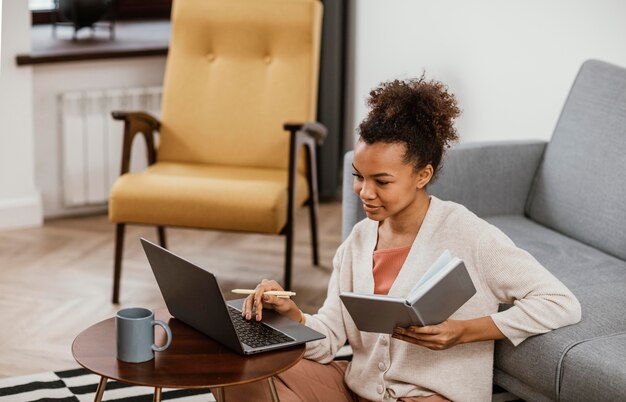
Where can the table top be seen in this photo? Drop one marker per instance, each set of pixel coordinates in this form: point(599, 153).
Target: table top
point(193, 360)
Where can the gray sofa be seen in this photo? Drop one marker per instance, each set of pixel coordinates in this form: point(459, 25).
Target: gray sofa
point(565, 202)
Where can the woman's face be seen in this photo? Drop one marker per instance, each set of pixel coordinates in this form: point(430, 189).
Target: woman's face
point(386, 184)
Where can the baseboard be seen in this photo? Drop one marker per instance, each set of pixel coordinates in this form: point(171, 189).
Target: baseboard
point(21, 212)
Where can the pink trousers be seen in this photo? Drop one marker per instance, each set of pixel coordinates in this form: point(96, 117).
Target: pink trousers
point(308, 381)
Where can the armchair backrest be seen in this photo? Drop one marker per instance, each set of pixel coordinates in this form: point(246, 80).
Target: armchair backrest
point(236, 71)
point(580, 187)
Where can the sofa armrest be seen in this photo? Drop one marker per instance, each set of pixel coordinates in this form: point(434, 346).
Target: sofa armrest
point(351, 209)
point(489, 178)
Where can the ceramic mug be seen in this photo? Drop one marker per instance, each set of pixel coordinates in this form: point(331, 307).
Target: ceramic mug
point(135, 335)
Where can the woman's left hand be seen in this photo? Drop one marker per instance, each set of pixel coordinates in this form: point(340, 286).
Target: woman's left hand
point(436, 337)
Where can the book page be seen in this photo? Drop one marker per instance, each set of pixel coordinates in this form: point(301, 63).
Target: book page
point(439, 263)
point(433, 280)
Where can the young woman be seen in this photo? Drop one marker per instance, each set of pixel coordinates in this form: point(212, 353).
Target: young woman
point(400, 149)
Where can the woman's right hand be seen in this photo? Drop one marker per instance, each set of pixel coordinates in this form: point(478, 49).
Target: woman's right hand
point(256, 302)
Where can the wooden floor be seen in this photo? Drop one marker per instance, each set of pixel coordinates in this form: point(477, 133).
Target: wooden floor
point(56, 280)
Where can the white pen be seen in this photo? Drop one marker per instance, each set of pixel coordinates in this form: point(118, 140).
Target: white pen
point(278, 293)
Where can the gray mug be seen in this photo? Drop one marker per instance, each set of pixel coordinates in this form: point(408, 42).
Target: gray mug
point(135, 335)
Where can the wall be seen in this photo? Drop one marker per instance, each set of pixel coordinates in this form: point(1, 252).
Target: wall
point(20, 203)
point(50, 80)
point(511, 63)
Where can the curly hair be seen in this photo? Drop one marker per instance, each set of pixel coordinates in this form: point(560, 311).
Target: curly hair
point(416, 112)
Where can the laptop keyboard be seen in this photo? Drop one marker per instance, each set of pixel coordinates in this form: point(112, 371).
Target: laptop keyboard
point(254, 333)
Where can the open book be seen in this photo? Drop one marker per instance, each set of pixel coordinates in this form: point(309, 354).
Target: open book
point(441, 291)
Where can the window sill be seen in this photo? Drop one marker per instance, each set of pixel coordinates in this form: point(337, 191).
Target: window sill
point(132, 39)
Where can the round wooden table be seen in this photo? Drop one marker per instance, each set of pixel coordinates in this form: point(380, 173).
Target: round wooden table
point(192, 361)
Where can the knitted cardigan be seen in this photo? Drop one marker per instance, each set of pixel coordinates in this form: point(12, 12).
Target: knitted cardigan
point(383, 368)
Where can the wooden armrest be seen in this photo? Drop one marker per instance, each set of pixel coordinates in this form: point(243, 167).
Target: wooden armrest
point(135, 123)
point(140, 116)
point(313, 129)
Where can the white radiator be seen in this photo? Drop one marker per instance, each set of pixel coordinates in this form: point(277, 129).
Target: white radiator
point(92, 140)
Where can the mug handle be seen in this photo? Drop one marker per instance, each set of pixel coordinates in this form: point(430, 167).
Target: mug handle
point(168, 332)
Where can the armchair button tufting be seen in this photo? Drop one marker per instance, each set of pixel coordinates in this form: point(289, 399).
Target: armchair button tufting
point(267, 59)
point(210, 57)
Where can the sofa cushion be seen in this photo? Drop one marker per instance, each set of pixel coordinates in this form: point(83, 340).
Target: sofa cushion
point(605, 357)
point(597, 279)
point(580, 186)
point(574, 263)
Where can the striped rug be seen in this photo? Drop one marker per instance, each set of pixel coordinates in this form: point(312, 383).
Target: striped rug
point(79, 385)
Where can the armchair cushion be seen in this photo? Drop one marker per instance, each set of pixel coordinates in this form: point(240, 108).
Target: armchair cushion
point(205, 196)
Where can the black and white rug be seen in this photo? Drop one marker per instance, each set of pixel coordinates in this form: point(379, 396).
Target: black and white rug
point(79, 385)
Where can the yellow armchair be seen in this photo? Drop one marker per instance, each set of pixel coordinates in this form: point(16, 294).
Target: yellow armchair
point(239, 73)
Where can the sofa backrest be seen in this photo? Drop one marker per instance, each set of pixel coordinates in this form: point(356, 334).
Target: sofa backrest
point(580, 187)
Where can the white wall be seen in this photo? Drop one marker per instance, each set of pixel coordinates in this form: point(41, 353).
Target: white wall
point(30, 132)
point(20, 203)
point(511, 63)
point(49, 81)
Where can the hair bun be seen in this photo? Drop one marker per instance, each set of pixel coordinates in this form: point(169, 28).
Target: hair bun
point(417, 112)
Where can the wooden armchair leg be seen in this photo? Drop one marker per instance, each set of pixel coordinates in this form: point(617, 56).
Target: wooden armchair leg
point(288, 256)
point(313, 199)
point(161, 230)
point(117, 269)
point(313, 219)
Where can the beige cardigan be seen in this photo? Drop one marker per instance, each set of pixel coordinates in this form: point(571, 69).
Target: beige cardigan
point(384, 368)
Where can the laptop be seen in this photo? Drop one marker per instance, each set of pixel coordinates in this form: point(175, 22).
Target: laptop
point(193, 296)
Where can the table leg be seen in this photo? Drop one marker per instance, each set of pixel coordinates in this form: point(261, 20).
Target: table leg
point(157, 394)
point(100, 391)
point(219, 394)
point(273, 392)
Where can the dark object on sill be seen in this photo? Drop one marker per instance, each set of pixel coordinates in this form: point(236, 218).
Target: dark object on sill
point(84, 14)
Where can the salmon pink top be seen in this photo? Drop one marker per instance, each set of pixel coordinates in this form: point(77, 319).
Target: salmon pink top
point(387, 265)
